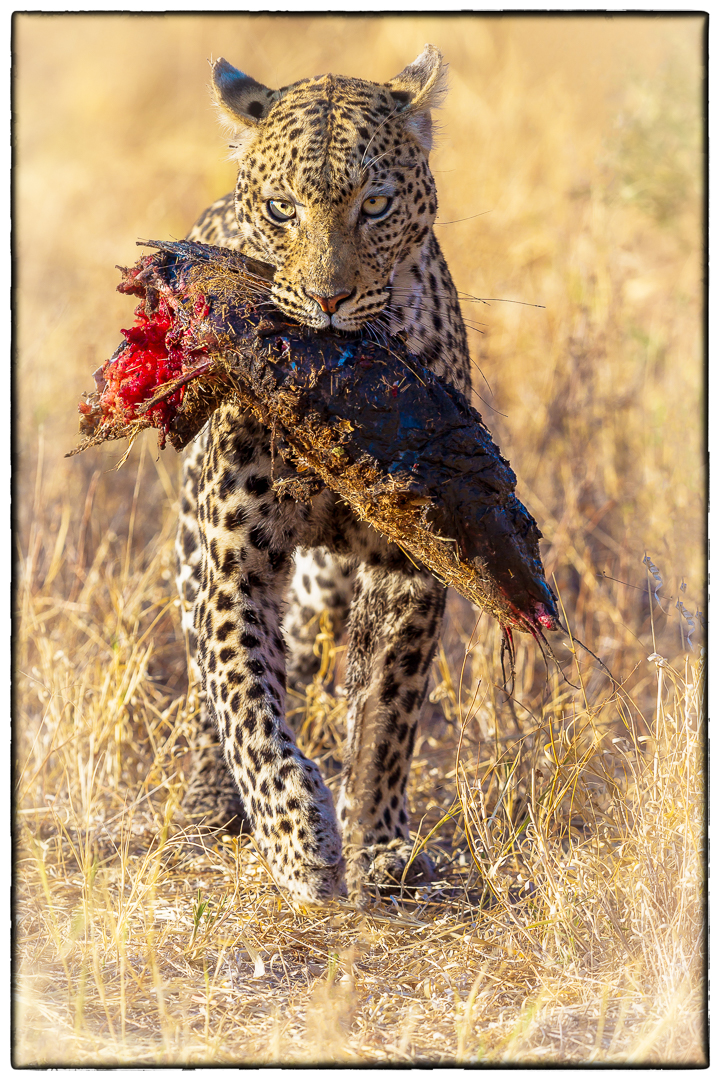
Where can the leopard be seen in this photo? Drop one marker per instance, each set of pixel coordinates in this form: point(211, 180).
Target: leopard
point(334, 191)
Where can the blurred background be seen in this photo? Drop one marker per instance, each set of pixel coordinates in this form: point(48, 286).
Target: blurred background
point(570, 172)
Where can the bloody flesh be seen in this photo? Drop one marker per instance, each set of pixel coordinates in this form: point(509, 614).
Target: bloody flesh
point(154, 353)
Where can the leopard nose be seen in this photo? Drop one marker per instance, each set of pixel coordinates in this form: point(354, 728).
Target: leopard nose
point(329, 304)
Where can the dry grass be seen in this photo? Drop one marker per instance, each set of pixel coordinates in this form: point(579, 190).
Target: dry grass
point(569, 821)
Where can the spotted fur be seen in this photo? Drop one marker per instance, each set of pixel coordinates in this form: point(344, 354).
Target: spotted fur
point(333, 189)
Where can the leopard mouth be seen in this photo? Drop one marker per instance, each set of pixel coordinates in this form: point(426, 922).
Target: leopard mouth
point(357, 317)
point(350, 320)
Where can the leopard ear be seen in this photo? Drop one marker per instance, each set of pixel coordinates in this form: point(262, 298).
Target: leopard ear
point(419, 88)
point(242, 101)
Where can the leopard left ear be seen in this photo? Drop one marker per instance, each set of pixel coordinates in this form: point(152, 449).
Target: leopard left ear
point(419, 88)
point(243, 101)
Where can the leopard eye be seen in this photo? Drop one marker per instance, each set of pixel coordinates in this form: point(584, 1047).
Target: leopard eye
point(280, 209)
point(376, 205)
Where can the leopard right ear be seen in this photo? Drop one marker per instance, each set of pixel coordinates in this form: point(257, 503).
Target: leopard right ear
point(242, 101)
point(417, 90)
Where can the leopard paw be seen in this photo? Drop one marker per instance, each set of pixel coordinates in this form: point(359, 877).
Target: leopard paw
point(382, 869)
point(307, 885)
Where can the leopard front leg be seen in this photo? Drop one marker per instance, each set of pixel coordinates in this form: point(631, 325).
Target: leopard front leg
point(211, 797)
point(247, 539)
point(395, 623)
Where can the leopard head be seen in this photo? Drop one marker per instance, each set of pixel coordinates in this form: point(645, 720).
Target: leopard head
point(334, 187)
